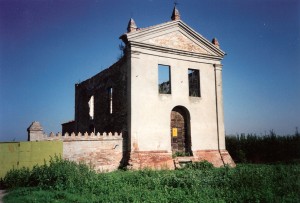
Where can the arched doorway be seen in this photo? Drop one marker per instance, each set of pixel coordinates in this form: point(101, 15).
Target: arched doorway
point(180, 131)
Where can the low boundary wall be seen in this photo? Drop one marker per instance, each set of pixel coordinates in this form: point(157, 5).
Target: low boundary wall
point(15, 155)
point(103, 152)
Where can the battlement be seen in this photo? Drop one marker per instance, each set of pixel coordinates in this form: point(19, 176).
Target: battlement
point(83, 136)
point(77, 136)
point(35, 133)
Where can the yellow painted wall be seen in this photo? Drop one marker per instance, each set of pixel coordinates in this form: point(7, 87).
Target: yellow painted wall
point(27, 154)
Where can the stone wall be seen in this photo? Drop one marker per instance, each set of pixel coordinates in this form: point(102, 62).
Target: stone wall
point(216, 157)
point(164, 160)
point(103, 152)
point(101, 155)
point(106, 152)
point(151, 159)
point(68, 127)
point(106, 116)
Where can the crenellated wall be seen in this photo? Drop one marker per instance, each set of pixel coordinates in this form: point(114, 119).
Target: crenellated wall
point(103, 152)
point(80, 136)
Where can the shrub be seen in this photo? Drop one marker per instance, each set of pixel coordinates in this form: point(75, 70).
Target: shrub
point(203, 165)
point(16, 178)
point(181, 154)
point(58, 174)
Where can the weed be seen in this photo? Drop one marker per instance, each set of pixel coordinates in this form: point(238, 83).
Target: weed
point(181, 154)
point(203, 165)
point(65, 181)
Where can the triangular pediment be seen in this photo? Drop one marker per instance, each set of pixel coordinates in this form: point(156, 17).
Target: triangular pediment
point(174, 35)
point(177, 40)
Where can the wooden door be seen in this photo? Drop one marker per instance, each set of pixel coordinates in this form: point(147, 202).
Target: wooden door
point(179, 131)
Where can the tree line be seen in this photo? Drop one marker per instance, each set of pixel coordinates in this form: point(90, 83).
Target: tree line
point(270, 148)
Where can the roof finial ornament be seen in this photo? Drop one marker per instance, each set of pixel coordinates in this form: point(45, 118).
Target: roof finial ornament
point(175, 13)
point(215, 42)
point(131, 25)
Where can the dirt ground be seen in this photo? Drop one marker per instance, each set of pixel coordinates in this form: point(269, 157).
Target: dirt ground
point(2, 193)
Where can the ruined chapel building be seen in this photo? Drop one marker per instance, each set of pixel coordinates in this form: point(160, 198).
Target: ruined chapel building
point(164, 95)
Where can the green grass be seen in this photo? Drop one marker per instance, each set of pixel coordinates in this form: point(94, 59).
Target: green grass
point(64, 181)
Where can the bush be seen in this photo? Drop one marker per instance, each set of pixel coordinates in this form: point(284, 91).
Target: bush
point(16, 178)
point(203, 165)
point(181, 154)
point(58, 174)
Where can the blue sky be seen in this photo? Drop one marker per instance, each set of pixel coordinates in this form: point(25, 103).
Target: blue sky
point(48, 46)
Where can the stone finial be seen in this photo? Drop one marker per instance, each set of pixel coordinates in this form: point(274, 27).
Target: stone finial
point(215, 42)
point(35, 131)
point(131, 26)
point(175, 14)
point(35, 126)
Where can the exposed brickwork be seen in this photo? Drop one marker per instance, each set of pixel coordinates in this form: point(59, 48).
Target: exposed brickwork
point(68, 127)
point(104, 152)
point(103, 156)
point(227, 158)
point(163, 160)
point(214, 157)
point(151, 159)
point(104, 121)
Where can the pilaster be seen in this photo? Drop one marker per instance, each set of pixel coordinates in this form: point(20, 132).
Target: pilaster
point(219, 106)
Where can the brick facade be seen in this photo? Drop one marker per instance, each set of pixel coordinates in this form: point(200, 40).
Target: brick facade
point(114, 77)
point(68, 127)
point(151, 160)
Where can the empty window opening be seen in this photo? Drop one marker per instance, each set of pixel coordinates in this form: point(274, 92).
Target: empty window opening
point(194, 83)
point(164, 79)
point(110, 99)
point(91, 107)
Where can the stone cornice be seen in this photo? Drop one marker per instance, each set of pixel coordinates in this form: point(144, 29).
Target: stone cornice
point(173, 51)
point(177, 24)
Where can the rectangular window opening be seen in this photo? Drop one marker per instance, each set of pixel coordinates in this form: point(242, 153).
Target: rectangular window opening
point(194, 83)
point(164, 79)
point(91, 107)
point(110, 99)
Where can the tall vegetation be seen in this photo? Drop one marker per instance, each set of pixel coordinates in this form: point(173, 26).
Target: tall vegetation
point(65, 181)
point(270, 148)
point(59, 174)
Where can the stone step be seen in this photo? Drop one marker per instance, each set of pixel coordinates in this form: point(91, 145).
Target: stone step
point(180, 162)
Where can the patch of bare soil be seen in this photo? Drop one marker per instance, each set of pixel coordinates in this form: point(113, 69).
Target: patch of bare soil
point(2, 193)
